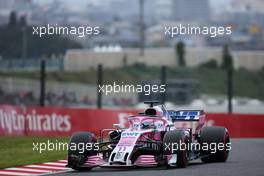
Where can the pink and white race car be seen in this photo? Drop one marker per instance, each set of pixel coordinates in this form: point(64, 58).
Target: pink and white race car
point(153, 138)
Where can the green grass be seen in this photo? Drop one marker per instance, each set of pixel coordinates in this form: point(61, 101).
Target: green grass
point(16, 151)
point(212, 81)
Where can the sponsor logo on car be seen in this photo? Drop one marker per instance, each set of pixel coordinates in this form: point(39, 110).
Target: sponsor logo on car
point(185, 115)
point(130, 134)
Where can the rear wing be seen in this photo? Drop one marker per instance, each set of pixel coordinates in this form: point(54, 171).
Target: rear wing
point(186, 115)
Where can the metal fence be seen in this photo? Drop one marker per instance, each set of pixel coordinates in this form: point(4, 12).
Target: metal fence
point(30, 64)
point(17, 91)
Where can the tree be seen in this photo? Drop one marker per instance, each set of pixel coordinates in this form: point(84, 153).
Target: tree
point(180, 50)
point(12, 19)
point(16, 40)
point(227, 60)
point(209, 64)
point(11, 40)
point(23, 21)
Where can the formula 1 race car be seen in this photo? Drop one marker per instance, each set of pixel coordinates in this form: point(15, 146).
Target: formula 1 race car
point(155, 137)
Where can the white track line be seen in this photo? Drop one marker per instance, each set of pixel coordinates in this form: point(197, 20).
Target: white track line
point(50, 167)
point(47, 167)
point(56, 164)
point(29, 170)
point(14, 173)
point(58, 172)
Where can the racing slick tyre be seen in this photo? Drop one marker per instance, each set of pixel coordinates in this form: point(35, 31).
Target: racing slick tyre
point(171, 145)
point(217, 140)
point(77, 152)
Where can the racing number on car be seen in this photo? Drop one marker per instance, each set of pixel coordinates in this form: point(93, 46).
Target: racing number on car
point(121, 148)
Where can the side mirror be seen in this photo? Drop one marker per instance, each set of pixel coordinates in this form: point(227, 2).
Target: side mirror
point(117, 126)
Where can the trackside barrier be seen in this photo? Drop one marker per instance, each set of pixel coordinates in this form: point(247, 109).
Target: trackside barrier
point(55, 121)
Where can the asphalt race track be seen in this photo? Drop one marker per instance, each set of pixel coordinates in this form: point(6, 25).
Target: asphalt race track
point(246, 159)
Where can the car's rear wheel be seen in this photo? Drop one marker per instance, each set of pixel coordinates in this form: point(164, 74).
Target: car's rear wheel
point(77, 153)
point(171, 145)
point(218, 144)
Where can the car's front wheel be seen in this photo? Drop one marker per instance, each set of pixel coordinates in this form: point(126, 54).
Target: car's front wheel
point(217, 142)
point(77, 152)
point(174, 146)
